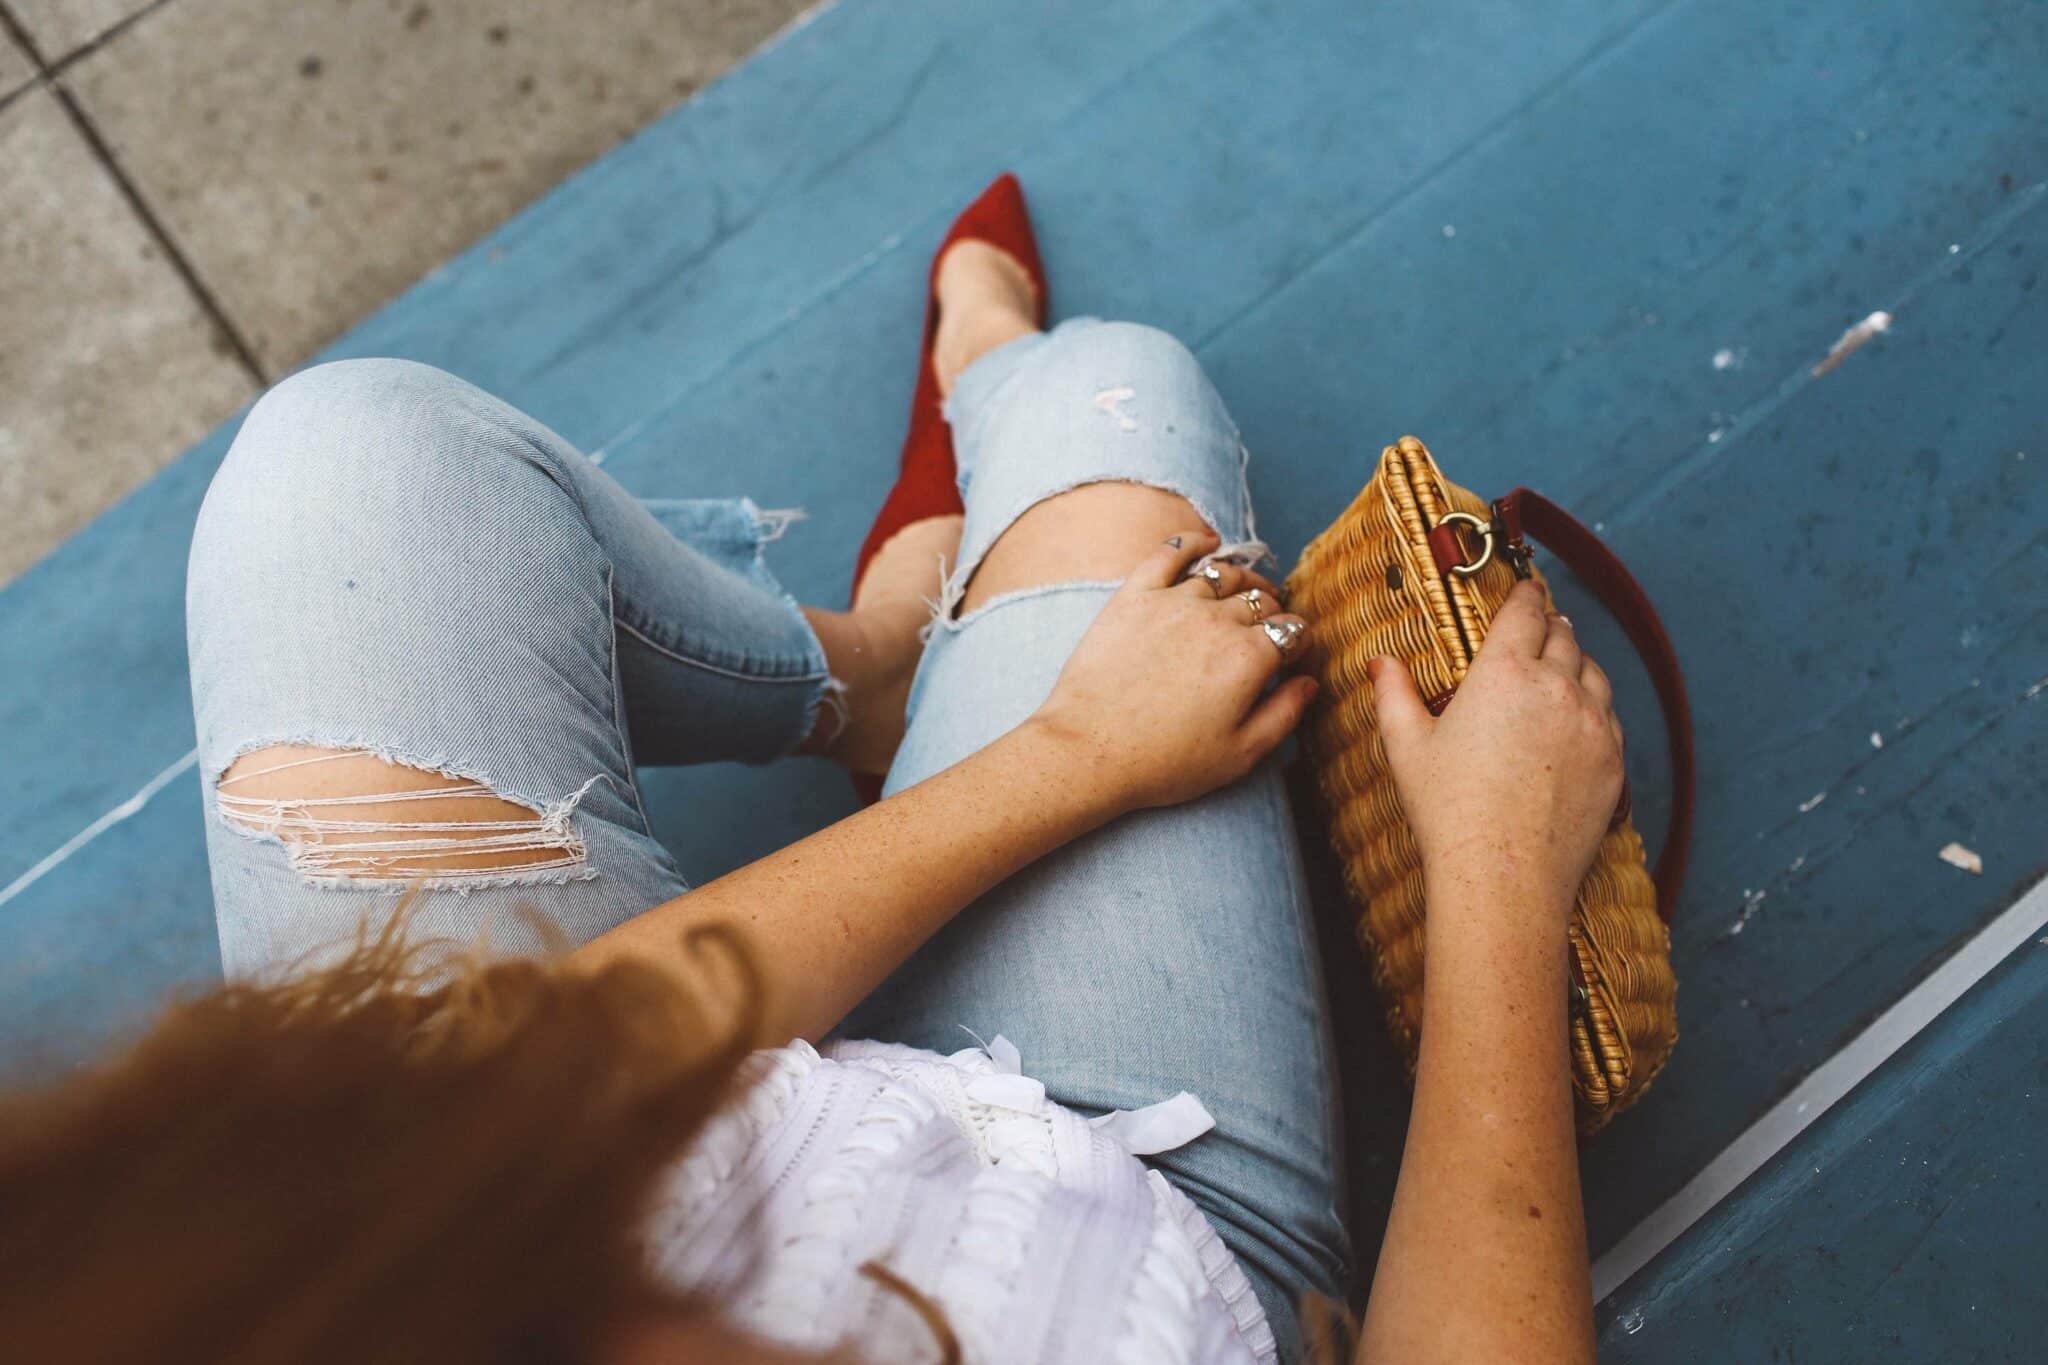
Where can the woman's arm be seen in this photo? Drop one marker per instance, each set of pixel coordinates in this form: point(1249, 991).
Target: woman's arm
point(1161, 702)
point(825, 920)
point(1508, 794)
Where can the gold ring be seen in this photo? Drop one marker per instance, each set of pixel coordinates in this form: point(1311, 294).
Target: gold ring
point(1213, 576)
point(1255, 598)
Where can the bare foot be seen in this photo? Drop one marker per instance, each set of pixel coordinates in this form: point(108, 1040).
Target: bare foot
point(985, 299)
point(874, 648)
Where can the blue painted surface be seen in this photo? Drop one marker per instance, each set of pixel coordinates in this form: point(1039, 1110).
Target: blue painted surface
point(1522, 232)
point(1905, 1225)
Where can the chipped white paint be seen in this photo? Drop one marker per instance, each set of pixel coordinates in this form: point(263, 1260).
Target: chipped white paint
point(1853, 340)
point(1956, 855)
point(1876, 740)
point(1729, 359)
point(1812, 801)
point(1450, 231)
point(1752, 901)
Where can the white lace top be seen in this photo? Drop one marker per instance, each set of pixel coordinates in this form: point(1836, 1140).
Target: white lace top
point(1038, 1233)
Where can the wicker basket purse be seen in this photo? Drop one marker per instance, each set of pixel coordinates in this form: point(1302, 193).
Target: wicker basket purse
point(1415, 568)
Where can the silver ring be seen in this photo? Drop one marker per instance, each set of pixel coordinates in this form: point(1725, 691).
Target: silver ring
point(1284, 635)
point(1213, 576)
point(1255, 598)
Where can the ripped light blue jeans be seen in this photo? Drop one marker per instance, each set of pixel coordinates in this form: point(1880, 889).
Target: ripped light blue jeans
point(392, 561)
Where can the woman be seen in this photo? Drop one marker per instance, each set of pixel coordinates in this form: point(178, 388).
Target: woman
point(429, 643)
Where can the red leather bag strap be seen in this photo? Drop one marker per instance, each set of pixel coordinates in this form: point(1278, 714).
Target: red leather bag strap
point(1528, 513)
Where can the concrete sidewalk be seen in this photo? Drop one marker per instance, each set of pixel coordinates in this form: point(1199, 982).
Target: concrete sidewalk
point(195, 195)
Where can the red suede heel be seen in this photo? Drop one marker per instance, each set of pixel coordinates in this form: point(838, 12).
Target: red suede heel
point(927, 481)
point(926, 484)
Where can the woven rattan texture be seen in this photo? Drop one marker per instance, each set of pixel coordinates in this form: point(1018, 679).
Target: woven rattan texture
point(1371, 587)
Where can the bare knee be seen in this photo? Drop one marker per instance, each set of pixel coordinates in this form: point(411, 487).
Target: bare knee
point(1097, 531)
point(346, 815)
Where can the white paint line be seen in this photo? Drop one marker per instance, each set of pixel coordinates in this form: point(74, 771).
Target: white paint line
point(2016, 925)
point(98, 827)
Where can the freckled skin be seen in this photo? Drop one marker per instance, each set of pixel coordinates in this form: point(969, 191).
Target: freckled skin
point(1472, 1267)
point(1165, 699)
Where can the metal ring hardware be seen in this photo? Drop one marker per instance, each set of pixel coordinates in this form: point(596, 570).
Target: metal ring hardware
point(1483, 528)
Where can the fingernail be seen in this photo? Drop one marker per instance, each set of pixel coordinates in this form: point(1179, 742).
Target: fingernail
point(1566, 619)
point(1372, 668)
point(1313, 688)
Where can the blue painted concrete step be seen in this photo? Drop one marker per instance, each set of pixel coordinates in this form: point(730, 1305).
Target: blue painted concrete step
point(1905, 1225)
point(1594, 245)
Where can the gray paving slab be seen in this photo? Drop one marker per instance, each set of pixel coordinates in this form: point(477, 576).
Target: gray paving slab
point(314, 159)
point(60, 27)
point(108, 366)
point(16, 70)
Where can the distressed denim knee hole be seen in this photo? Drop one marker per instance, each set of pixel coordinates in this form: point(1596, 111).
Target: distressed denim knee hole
point(1092, 402)
point(351, 817)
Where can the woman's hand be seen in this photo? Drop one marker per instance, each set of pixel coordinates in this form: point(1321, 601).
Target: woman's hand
point(1520, 775)
point(1162, 699)
point(1159, 702)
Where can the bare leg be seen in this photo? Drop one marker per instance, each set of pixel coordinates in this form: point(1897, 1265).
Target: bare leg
point(1097, 531)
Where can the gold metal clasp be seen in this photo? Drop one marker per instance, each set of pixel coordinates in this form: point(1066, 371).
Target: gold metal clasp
point(1483, 529)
